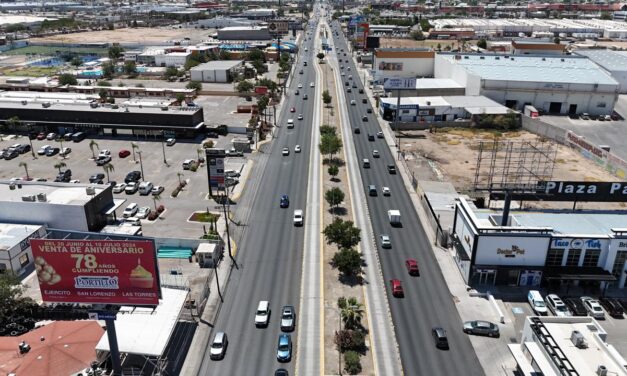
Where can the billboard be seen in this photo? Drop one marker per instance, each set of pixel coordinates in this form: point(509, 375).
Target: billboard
point(361, 35)
point(384, 66)
point(571, 191)
point(121, 272)
point(215, 169)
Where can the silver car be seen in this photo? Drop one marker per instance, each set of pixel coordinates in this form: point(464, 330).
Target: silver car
point(218, 346)
point(288, 318)
point(483, 328)
point(593, 307)
point(385, 241)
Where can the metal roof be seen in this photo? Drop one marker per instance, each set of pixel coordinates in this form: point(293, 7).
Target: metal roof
point(610, 60)
point(217, 64)
point(527, 68)
point(574, 223)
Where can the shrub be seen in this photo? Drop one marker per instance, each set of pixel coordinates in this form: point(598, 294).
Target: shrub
point(183, 184)
point(207, 144)
point(348, 340)
point(160, 209)
point(193, 167)
point(152, 216)
point(175, 192)
point(352, 365)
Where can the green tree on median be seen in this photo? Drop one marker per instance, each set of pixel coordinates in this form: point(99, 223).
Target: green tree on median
point(342, 233)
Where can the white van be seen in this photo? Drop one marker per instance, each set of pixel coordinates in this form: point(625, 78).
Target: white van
point(145, 188)
point(290, 123)
point(537, 303)
point(262, 314)
point(366, 163)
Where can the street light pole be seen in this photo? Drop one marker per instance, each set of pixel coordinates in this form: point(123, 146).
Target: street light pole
point(163, 146)
point(141, 164)
point(228, 236)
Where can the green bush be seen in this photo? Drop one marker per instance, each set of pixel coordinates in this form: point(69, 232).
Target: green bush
point(193, 167)
point(207, 144)
point(350, 340)
point(352, 364)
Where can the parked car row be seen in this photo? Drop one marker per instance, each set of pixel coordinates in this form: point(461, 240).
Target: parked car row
point(572, 306)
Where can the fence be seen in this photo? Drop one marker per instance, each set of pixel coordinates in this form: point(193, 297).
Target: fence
point(545, 130)
point(609, 161)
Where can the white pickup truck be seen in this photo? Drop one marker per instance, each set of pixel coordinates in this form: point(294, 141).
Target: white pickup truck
point(395, 217)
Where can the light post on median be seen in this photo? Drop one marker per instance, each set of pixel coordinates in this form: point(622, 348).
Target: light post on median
point(162, 146)
point(141, 164)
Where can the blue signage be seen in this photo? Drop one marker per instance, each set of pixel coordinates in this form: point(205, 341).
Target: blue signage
point(102, 315)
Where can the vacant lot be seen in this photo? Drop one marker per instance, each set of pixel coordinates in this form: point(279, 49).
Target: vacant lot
point(139, 36)
point(428, 43)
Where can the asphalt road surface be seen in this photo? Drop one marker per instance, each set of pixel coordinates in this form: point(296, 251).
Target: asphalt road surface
point(427, 302)
point(270, 251)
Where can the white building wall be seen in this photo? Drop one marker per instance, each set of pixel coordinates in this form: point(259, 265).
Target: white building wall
point(411, 67)
point(170, 60)
point(66, 217)
point(621, 78)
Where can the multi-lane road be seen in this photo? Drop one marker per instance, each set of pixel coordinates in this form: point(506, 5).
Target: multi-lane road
point(270, 255)
point(427, 302)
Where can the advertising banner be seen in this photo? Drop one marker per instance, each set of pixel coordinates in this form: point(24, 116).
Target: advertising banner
point(384, 66)
point(215, 168)
point(399, 83)
point(123, 272)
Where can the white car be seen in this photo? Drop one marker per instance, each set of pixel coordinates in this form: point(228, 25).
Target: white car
point(104, 153)
point(557, 306)
point(51, 136)
point(298, 217)
point(44, 149)
point(297, 149)
point(343, 74)
point(386, 191)
point(119, 188)
point(593, 307)
point(353, 102)
point(311, 84)
point(385, 241)
point(300, 86)
point(65, 151)
point(157, 190)
point(375, 153)
point(300, 116)
point(170, 141)
point(133, 221)
point(143, 212)
point(131, 188)
point(286, 151)
point(75, 181)
point(130, 210)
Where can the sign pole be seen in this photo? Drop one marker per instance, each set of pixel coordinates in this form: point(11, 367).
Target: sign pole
point(396, 121)
point(113, 348)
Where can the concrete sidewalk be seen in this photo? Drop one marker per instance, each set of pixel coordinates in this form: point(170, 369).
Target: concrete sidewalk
point(493, 355)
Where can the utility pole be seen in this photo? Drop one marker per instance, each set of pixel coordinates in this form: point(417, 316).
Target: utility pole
point(163, 146)
point(141, 164)
point(215, 270)
point(396, 121)
point(228, 236)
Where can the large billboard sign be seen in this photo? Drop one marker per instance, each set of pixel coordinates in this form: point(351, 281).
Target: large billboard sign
point(123, 272)
point(215, 169)
point(572, 191)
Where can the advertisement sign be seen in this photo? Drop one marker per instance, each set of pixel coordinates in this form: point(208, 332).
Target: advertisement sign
point(215, 168)
point(562, 243)
point(511, 250)
point(384, 66)
point(399, 84)
point(361, 35)
point(583, 191)
point(354, 20)
point(121, 272)
point(610, 161)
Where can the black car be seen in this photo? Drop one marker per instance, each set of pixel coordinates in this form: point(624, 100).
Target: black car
point(612, 306)
point(97, 178)
point(364, 118)
point(369, 110)
point(392, 169)
point(347, 83)
point(10, 154)
point(133, 177)
point(575, 306)
point(361, 91)
point(357, 131)
point(212, 134)
point(23, 148)
point(364, 100)
point(370, 137)
point(32, 135)
point(439, 336)
point(64, 176)
point(52, 151)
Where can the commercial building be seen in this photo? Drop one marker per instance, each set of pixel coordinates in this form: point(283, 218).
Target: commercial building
point(540, 247)
point(429, 110)
point(537, 47)
point(402, 62)
point(172, 59)
point(79, 207)
point(556, 85)
point(130, 118)
point(244, 33)
point(614, 62)
point(432, 87)
point(554, 346)
point(217, 71)
point(220, 22)
point(262, 14)
point(15, 253)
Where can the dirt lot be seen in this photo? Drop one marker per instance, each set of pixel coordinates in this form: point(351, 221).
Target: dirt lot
point(139, 35)
point(451, 155)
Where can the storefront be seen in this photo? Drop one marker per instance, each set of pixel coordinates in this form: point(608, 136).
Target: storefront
point(524, 255)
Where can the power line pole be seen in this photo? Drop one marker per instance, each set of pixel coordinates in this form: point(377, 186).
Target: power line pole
point(228, 236)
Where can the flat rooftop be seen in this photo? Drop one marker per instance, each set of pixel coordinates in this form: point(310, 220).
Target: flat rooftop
point(474, 104)
point(84, 106)
point(610, 60)
point(528, 68)
point(437, 83)
point(565, 223)
point(12, 234)
point(56, 193)
point(217, 64)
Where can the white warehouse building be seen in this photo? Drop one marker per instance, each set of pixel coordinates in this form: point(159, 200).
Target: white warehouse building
point(402, 62)
point(614, 62)
point(217, 71)
point(557, 85)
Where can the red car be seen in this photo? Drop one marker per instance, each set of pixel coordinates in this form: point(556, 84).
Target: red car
point(397, 289)
point(124, 153)
point(293, 109)
point(41, 136)
point(412, 267)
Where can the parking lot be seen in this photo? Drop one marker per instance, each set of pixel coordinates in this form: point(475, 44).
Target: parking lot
point(173, 222)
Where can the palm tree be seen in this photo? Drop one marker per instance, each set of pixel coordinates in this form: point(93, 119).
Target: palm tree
point(156, 198)
point(25, 165)
point(59, 166)
point(60, 141)
point(352, 312)
point(179, 174)
point(93, 144)
point(199, 151)
point(108, 167)
point(133, 147)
